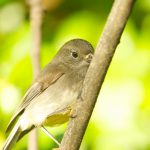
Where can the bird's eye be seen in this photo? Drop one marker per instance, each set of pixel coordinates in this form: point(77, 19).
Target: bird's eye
point(74, 54)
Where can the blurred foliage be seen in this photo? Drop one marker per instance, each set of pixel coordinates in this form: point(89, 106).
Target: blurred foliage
point(121, 118)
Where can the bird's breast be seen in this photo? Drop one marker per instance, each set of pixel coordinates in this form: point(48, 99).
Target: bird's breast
point(51, 106)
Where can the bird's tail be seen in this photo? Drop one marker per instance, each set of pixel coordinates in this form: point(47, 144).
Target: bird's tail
point(13, 137)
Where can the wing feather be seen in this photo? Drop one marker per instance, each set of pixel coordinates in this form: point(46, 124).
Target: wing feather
point(43, 81)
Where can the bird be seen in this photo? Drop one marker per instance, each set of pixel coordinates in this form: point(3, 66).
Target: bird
point(50, 99)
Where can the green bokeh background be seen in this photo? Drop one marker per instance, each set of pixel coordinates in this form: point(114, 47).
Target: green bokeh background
point(121, 119)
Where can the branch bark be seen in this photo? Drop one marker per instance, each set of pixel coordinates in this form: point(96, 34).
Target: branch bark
point(96, 73)
point(36, 22)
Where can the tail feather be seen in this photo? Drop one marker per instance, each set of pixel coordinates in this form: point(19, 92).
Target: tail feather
point(13, 137)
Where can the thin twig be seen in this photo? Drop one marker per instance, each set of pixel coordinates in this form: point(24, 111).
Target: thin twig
point(36, 22)
point(50, 135)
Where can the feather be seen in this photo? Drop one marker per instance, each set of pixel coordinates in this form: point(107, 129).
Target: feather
point(36, 89)
point(13, 137)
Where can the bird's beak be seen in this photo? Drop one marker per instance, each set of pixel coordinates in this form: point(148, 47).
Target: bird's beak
point(89, 57)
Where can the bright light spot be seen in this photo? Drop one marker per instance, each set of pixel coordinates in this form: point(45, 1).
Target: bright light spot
point(118, 103)
point(9, 98)
point(11, 16)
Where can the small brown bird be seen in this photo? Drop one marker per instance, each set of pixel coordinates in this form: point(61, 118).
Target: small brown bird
point(51, 97)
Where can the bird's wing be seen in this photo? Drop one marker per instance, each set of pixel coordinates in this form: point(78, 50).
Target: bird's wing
point(44, 80)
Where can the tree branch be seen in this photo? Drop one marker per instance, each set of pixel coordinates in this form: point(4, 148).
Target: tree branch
point(36, 22)
point(95, 76)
